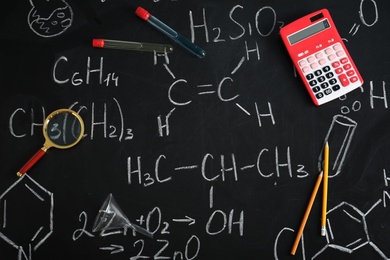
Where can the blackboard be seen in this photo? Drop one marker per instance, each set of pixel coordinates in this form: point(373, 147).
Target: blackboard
point(217, 157)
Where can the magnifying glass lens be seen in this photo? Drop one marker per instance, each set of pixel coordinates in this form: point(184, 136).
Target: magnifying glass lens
point(62, 129)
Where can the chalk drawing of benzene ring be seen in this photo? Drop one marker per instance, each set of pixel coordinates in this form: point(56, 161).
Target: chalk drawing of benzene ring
point(344, 217)
point(21, 205)
point(341, 221)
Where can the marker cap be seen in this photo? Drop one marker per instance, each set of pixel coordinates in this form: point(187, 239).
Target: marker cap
point(142, 13)
point(98, 43)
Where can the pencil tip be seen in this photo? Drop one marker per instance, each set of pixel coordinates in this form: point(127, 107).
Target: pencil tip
point(323, 231)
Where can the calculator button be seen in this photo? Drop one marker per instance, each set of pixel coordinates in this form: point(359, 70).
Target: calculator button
point(302, 63)
point(324, 85)
point(350, 73)
point(339, 70)
point(319, 95)
point(332, 81)
point(319, 55)
point(305, 69)
point(321, 79)
point(332, 57)
point(329, 75)
point(340, 53)
point(344, 60)
point(336, 87)
point(347, 66)
point(317, 72)
point(310, 76)
point(344, 80)
point(313, 83)
point(328, 51)
point(311, 59)
point(337, 47)
point(335, 64)
point(316, 89)
point(314, 65)
point(354, 79)
point(322, 61)
point(327, 91)
point(326, 69)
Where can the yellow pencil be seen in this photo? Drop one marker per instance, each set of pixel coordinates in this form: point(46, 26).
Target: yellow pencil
point(325, 190)
point(306, 216)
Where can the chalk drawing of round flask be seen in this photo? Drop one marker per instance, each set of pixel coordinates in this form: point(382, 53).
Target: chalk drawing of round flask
point(339, 138)
point(49, 18)
point(111, 217)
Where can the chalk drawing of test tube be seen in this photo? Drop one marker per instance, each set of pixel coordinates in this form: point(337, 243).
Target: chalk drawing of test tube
point(339, 138)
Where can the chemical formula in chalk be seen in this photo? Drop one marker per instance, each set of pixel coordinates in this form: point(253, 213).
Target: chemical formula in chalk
point(100, 123)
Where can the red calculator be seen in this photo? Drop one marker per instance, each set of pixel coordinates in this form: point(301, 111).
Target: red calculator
point(320, 57)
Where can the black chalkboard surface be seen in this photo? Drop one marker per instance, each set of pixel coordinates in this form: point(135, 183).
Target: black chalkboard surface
point(216, 157)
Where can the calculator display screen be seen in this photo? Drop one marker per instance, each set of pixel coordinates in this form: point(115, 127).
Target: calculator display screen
point(308, 31)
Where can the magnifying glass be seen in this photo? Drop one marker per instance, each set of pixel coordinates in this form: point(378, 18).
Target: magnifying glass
point(62, 129)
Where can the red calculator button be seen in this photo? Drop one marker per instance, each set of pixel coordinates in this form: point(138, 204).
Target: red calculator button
point(339, 70)
point(314, 65)
point(347, 66)
point(332, 57)
point(354, 79)
point(328, 51)
point(302, 63)
point(335, 64)
point(337, 47)
point(305, 69)
point(344, 60)
point(322, 61)
point(344, 80)
point(311, 59)
point(350, 73)
point(319, 55)
point(340, 53)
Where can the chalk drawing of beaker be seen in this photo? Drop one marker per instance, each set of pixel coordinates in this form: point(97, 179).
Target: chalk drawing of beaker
point(339, 138)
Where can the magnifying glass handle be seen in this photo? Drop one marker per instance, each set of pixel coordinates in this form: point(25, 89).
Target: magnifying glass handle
point(30, 163)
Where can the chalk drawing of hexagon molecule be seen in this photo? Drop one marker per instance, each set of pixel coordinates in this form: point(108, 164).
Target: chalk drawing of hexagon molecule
point(348, 229)
point(26, 216)
point(340, 220)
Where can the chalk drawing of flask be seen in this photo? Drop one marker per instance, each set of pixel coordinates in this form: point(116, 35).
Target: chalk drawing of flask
point(339, 138)
point(49, 18)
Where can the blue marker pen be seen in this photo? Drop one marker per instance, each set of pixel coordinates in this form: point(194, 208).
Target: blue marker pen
point(180, 39)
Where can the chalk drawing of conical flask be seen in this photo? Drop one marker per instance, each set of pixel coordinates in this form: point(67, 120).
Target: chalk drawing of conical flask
point(49, 18)
point(110, 217)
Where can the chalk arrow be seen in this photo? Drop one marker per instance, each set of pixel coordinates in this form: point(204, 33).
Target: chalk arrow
point(113, 248)
point(190, 221)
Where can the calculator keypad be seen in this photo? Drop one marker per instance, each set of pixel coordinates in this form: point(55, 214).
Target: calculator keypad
point(328, 70)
